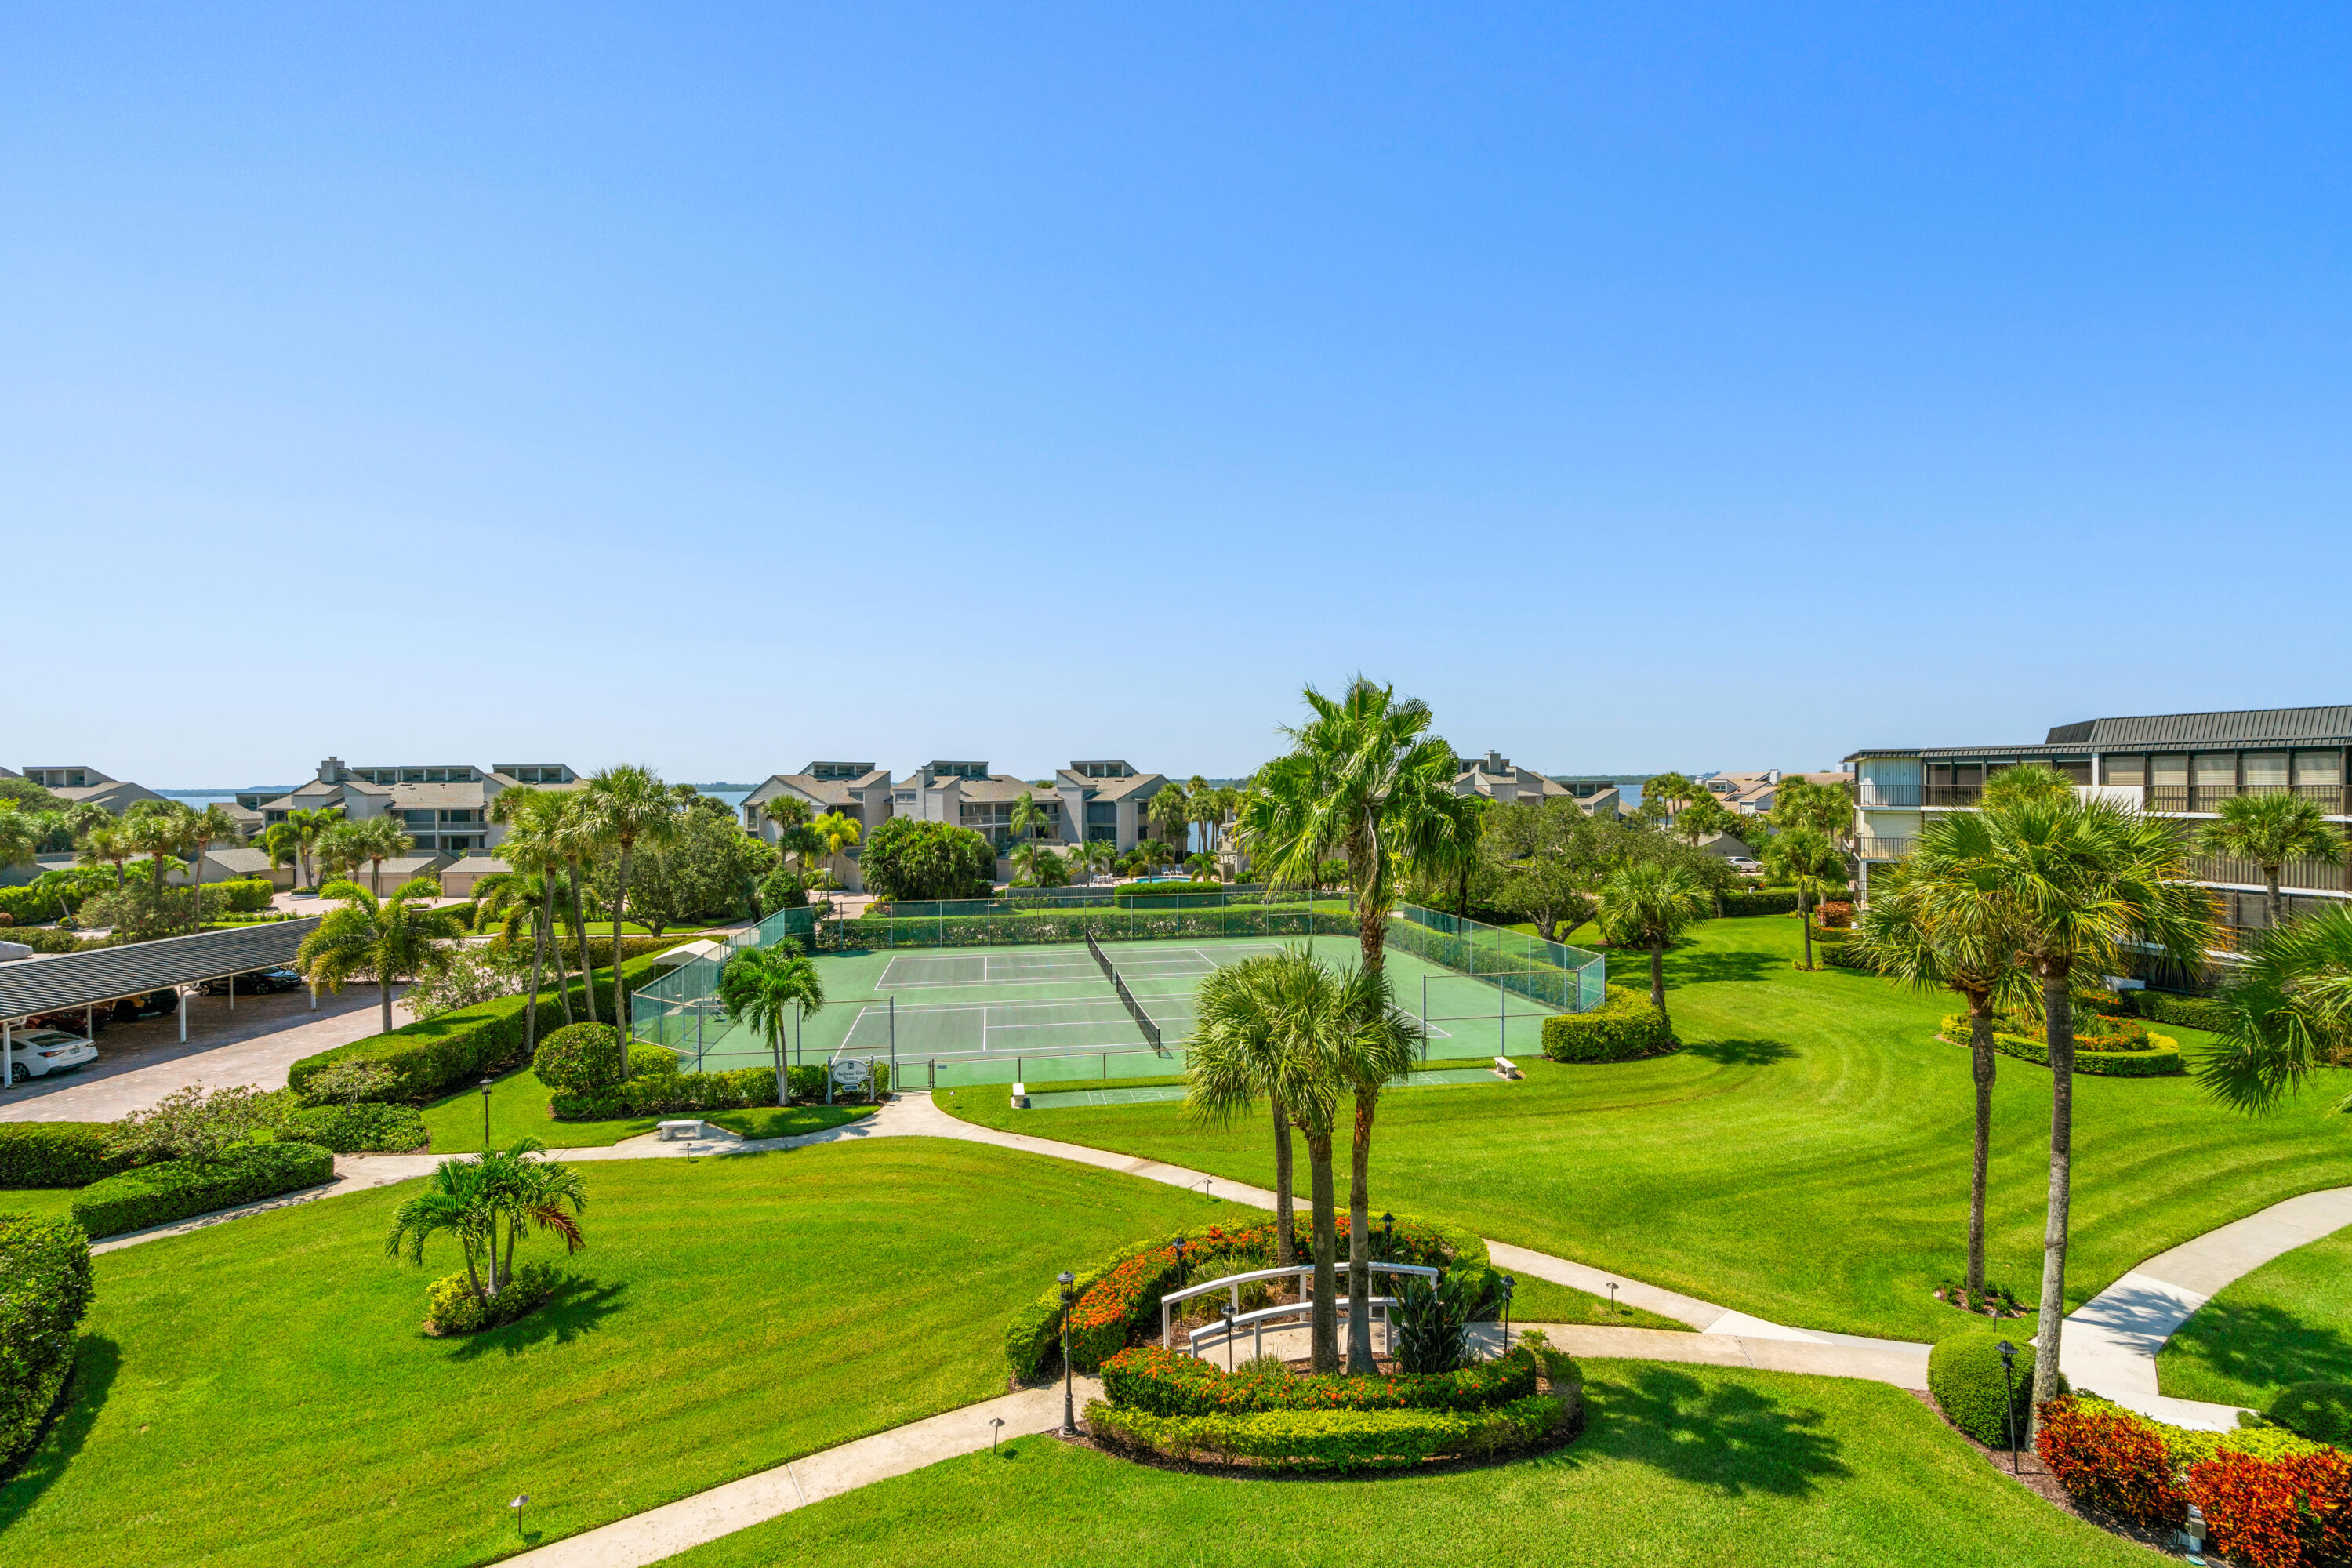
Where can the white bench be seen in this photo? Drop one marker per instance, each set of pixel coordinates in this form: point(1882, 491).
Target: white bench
point(1503, 1069)
point(687, 1129)
point(1020, 1096)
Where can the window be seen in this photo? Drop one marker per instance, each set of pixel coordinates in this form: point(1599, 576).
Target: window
point(461, 816)
point(2215, 768)
point(417, 819)
point(2319, 767)
point(2265, 768)
point(1102, 814)
point(2130, 770)
point(2077, 769)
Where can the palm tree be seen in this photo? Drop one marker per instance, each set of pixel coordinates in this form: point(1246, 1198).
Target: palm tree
point(1807, 857)
point(105, 845)
point(1669, 791)
point(1258, 1032)
point(2027, 782)
point(378, 937)
point(309, 822)
point(1023, 823)
point(458, 1201)
point(767, 986)
point(1378, 1047)
point(627, 806)
point(21, 833)
point(530, 1195)
point(206, 828)
point(530, 816)
point(831, 833)
point(1099, 856)
point(2077, 880)
point(572, 834)
point(2288, 1013)
point(1933, 923)
point(159, 829)
point(376, 840)
point(1365, 775)
point(790, 813)
point(341, 850)
point(2271, 830)
point(1650, 903)
point(1201, 864)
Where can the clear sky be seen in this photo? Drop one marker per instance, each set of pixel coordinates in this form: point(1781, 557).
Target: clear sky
point(724, 388)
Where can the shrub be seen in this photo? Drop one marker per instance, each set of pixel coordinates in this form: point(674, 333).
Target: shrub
point(44, 1289)
point(2319, 1411)
point(2170, 1008)
point(1431, 1319)
point(2163, 1058)
point(362, 1128)
point(1129, 894)
point(1964, 1374)
point(45, 900)
point(1168, 1383)
point(2109, 1459)
point(454, 1307)
point(907, 857)
point(1836, 915)
point(1336, 1439)
point(52, 939)
point(177, 1189)
point(1843, 955)
point(243, 895)
point(580, 1058)
point(1758, 902)
point(58, 1154)
point(668, 1093)
point(2275, 1513)
point(347, 1083)
point(1625, 1024)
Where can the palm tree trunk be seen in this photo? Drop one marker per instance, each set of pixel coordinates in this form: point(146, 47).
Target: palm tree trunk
point(1323, 1331)
point(1657, 975)
point(1980, 1067)
point(538, 954)
point(620, 997)
point(1805, 919)
point(580, 924)
point(2276, 906)
point(2058, 1009)
point(1360, 1238)
point(375, 876)
point(1285, 1224)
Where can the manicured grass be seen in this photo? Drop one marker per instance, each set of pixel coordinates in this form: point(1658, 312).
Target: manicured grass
point(2288, 1322)
point(518, 1109)
point(1804, 1158)
point(260, 1392)
point(1535, 1300)
point(1681, 1465)
point(47, 1203)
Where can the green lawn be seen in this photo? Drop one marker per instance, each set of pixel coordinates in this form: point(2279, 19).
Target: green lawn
point(2288, 1322)
point(1681, 1465)
point(260, 1392)
point(1805, 1158)
point(47, 1203)
point(518, 1109)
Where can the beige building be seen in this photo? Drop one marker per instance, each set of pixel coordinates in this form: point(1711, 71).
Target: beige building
point(1499, 778)
point(81, 785)
point(444, 807)
point(1752, 793)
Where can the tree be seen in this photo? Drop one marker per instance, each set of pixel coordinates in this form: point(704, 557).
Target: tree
point(530, 816)
point(1099, 856)
point(833, 832)
point(1707, 815)
point(1026, 819)
point(789, 813)
point(1650, 903)
point(294, 837)
point(1827, 809)
point(378, 939)
point(376, 840)
point(1934, 923)
point(1378, 1046)
point(1550, 859)
point(341, 850)
point(1806, 857)
point(1171, 812)
point(532, 1195)
point(1364, 775)
point(2271, 830)
point(2287, 1013)
point(206, 828)
point(911, 858)
point(627, 806)
point(2029, 782)
point(701, 873)
point(573, 832)
point(456, 1202)
point(21, 833)
point(158, 829)
point(104, 844)
point(766, 987)
point(1261, 1028)
point(1201, 864)
point(476, 1200)
point(2078, 878)
point(1670, 793)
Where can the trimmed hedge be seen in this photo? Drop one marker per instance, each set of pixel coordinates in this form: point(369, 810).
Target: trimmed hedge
point(580, 1058)
point(1842, 955)
point(178, 1189)
point(1758, 902)
point(2319, 1411)
point(664, 1091)
point(243, 895)
point(2164, 1061)
point(1129, 893)
point(1337, 1439)
point(1165, 1382)
point(57, 1155)
point(2171, 1008)
point(2112, 1460)
point(436, 1055)
point(1964, 1374)
point(1624, 1026)
point(362, 1128)
point(30, 906)
point(53, 939)
point(44, 1289)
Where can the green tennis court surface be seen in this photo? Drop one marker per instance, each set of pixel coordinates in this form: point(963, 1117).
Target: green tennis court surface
point(1063, 1100)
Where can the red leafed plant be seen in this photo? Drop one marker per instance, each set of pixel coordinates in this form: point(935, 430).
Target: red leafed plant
point(2110, 1459)
point(2276, 1514)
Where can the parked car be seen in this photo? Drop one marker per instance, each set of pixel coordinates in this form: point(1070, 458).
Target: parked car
point(73, 1021)
point(1744, 866)
point(40, 1052)
point(156, 1004)
point(260, 982)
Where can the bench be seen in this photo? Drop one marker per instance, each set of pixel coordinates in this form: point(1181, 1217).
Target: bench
point(1504, 1068)
point(1020, 1096)
point(687, 1130)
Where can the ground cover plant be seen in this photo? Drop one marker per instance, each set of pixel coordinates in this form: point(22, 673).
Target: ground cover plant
point(1678, 1466)
point(725, 1320)
point(2288, 1322)
point(1804, 1157)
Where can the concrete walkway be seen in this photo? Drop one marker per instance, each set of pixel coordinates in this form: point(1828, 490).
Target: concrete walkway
point(2112, 1340)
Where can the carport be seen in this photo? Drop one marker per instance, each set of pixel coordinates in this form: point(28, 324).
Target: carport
point(32, 986)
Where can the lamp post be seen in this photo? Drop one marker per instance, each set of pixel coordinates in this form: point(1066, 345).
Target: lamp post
point(1388, 1238)
point(1180, 1263)
point(1509, 1285)
point(2008, 1401)
point(995, 1430)
point(1070, 1410)
point(1226, 1312)
point(520, 1499)
point(1612, 1296)
point(485, 1130)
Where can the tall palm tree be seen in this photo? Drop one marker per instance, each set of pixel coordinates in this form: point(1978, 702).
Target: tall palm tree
point(310, 823)
point(159, 829)
point(341, 850)
point(1807, 857)
point(1650, 904)
point(767, 987)
point(1266, 1030)
point(1025, 819)
point(21, 833)
point(572, 833)
point(1934, 923)
point(626, 807)
point(105, 845)
point(206, 828)
point(530, 816)
point(790, 813)
point(1169, 812)
point(1379, 1046)
point(378, 839)
point(2271, 830)
point(2288, 1012)
point(1670, 792)
point(833, 832)
point(530, 1195)
point(382, 939)
point(2079, 879)
point(1363, 774)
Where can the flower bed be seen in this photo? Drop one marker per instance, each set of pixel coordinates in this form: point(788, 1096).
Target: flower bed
point(2130, 1052)
point(1163, 1383)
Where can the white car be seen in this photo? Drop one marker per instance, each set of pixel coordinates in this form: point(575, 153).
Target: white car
point(1741, 863)
point(40, 1052)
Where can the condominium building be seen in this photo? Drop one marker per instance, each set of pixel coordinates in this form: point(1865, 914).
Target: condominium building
point(859, 791)
point(86, 785)
point(1752, 793)
point(2181, 766)
point(1500, 780)
point(445, 807)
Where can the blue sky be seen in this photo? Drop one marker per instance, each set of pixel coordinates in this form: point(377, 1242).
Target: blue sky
point(722, 388)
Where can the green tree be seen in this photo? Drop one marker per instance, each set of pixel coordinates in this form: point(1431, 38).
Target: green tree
point(527, 1195)
point(341, 850)
point(2287, 1012)
point(378, 939)
point(911, 859)
point(159, 829)
point(1670, 793)
point(1378, 1045)
point(205, 828)
point(701, 873)
point(1171, 812)
point(104, 844)
point(376, 840)
point(766, 988)
point(2080, 879)
point(1827, 809)
point(295, 837)
point(791, 814)
point(628, 806)
point(1026, 820)
point(1937, 922)
point(1099, 856)
point(458, 1202)
point(1201, 864)
point(1649, 904)
point(1806, 857)
point(21, 833)
point(1552, 859)
point(1707, 815)
point(2272, 830)
point(2027, 782)
point(572, 833)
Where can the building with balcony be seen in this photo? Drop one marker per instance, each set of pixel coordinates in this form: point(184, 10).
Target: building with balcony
point(445, 807)
point(859, 791)
point(2176, 765)
point(82, 785)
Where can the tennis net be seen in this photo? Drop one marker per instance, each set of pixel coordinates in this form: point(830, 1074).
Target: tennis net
point(1135, 1010)
point(1110, 971)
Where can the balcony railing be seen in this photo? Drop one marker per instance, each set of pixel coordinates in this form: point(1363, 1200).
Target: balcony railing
point(1874, 793)
point(1883, 848)
point(2208, 798)
point(2299, 876)
point(1953, 795)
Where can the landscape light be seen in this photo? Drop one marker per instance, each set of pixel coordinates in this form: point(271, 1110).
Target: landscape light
point(2008, 1401)
point(486, 1144)
point(995, 1429)
point(1226, 1312)
point(520, 1499)
point(1069, 1411)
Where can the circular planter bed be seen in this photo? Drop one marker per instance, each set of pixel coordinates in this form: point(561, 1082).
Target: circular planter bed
point(456, 1311)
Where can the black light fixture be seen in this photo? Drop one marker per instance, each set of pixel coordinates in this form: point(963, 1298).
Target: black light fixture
point(486, 1128)
point(1180, 1262)
point(1509, 1285)
point(1388, 1242)
point(520, 1499)
point(1070, 1410)
point(2008, 1401)
point(1226, 1312)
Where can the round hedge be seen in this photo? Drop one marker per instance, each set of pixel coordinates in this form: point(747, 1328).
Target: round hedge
point(2319, 1411)
point(580, 1058)
point(1964, 1375)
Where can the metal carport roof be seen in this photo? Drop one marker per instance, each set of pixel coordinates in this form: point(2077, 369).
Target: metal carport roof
point(31, 985)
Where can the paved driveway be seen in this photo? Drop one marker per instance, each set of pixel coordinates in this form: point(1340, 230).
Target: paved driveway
point(138, 1064)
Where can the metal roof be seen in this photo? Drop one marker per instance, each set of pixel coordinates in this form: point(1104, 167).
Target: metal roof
point(2254, 726)
point(31, 985)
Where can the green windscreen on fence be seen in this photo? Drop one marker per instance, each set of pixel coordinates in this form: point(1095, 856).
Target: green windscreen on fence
point(682, 1009)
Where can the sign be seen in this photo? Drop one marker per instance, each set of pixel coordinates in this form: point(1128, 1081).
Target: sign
point(849, 1072)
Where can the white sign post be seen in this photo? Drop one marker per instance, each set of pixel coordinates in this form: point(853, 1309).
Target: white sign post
point(850, 1073)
